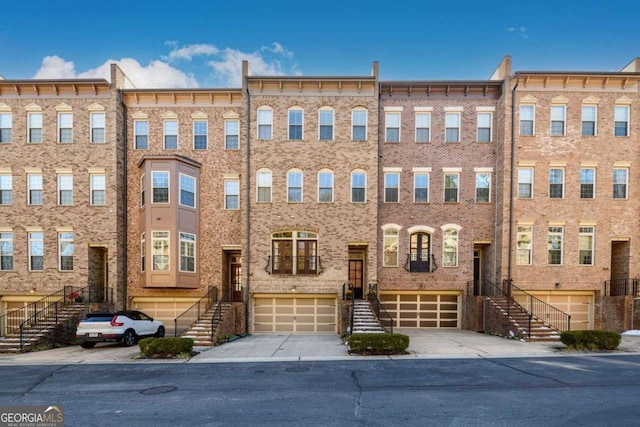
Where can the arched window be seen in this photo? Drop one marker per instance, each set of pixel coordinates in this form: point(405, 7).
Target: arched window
point(294, 186)
point(450, 245)
point(296, 123)
point(325, 124)
point(265, 123)
point(325, 186)
point(264, 185)
point(294, 252)
point(420, 252)
point(359, 124)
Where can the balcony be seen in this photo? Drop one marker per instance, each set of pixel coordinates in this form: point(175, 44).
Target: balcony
point(416, 264)
point(304, 265)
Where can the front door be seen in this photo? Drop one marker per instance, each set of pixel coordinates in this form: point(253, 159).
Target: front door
point(355, 277)
point(476, 273)
point(235, 278)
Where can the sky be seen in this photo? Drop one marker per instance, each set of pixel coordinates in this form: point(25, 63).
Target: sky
point(173, 44)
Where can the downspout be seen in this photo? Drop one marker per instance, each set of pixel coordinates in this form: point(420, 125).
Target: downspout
point(247, 210)
point(511, 178)
point(125, 240)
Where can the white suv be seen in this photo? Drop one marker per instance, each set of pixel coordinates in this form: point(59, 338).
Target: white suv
point(124, 326)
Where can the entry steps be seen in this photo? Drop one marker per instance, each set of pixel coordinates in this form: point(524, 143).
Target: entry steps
point(202, 331)
point(364, 319)
point(519, 319)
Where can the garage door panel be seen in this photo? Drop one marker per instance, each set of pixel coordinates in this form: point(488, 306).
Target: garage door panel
point(580, 307)
point(295, 314)
point(423, 310)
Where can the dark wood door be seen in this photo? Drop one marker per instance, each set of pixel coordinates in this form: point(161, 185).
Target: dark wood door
point(356, 277)
point(235, 279)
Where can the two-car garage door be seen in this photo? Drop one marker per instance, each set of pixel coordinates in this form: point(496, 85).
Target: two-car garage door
point(313, 313)
point(423, 309)
point(578, 304)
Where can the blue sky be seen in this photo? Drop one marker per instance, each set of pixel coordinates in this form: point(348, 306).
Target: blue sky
point(202, 43)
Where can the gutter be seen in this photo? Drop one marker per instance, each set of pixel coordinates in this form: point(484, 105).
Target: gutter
point(511, 177)
point(247, 264)
point(125, 240)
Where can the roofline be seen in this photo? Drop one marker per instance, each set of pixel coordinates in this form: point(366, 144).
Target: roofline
point(336, 78)
point(578, 73)
point(442, 82)
point(185, 90)
point(54, 81)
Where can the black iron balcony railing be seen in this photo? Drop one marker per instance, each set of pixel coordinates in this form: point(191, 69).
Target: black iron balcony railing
point(305, 264)
point(621, 287)
point(415, 265)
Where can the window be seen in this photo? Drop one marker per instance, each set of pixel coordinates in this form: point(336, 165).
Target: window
point(294, 186)
point(358, 187)
point(232, 194)
point(359, 125)
point(6, 127)
point(200, 134)
point(35, 128)
point(527, 120)
point(142, 190)
point(98, 183)
point(483, 187)
point(187, 191)
point(159, 187)
point(143, 252)
point(558, 118)
point(554, 245)
point(421, 187)
point(392, 127)
point(523, 245)
point(170, 134)
point(325, 120)
point(391, 187)
point(452, 127)
point(6, 189)
point(589, 114)
point(450, 248)
point(6, 251)
point(264, 186)
point(556, 183)
point(265, 122)
point(525, 183)
point(451, 185)
point(34, 189)
point(141, 134)
point(484, 127)
point(325, 186)
point(65, 128)
point(620, 180)
point(232, 135)
point(298, 246)
point(36, 251)
point(97, 121)
point(585, 245)
point(419, 254)
point(187, 252)
point(587, 183)
point(65, 189)
point(160, 249)
point(390, 248)
point(621, 119)
point(423, 127)
point(65, 251)
point(295, 124)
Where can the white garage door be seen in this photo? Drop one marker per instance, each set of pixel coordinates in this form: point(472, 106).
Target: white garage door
point(578, 305)
point(163, 310)
point(423, 310)
point(289, 313)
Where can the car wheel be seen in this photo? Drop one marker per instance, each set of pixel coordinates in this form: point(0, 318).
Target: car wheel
point(87, 344)
point(160, 332)
point(129, 338)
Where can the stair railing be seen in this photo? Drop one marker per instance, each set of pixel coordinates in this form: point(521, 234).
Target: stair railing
point(383, 315)
point(217, 315)
point(192, 314)
point(549, 314)
point(490, 289)
point(348, 295)
point(621, 287)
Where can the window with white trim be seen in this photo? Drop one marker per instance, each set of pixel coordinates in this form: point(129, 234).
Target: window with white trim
point(294, 186)
point(160, 250)
point(141, 134)
point(34, 123)
point(187, 252)
point(6, 189)
point(525, 183)
point(159, 187)
point(589, 117)
point(620, 183)
point(621, 120)
point(294, 252)
point(358, 186)
point(296, 121)
point(265, 123)
point(325, 186)
point(586, 240)
point(232, 135)
point(423, 127)
point(392, 126)
point(98, 184)
point(527, 120)
point(484, 126)
point(524, 246)
point(421, 187)
point(65, 128)
point(6, 128)
point(450, 248)
point(556, 183)
point(34, 189)
point(264, 183)
point(587, 183)
point(65, 251)
point(200, 134)
point(231, 194)
point(554, 245)
point(558, 120)
point(36, 251)
point(143, 252)
point(187, 190)
point(391, 187)
point(390, 257)
point(65, 189)
point(6, 251)
point(451, 187)
point(142, 190)
point(483, 187)
point(452, 127)
point(325, 124)
point(359, 124)
point(170, 128)
point(97, 124)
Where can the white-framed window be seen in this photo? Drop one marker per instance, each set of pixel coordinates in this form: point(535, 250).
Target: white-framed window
point(187, 190)
point(450, 248)
point(34, 189)
point(423, 127)
point(97, 124)
point(421, 187)
point(554, 245)
point(160, 250)
point(98, 188)
point(294, 186)
point(586, 240)
point(65, 128)
point(359, 124)
point(527, 120)
point(621, 120)
point(143, 252)
point(391, 187)
point(392, 126)
point(141, 134)
point(265, 123)
point(390, 250)
point(232, 135)
point(170, 128)
point(143, 193)
point(200, 134)
point(620, 183)
point(589, 120)
point(558, 120)
point(358, 186)
point(36, 251)
point(6, 128)
point(187, 252)
point(159, 187)
point(6, 251)
point(264, 183)
point(587, 183)
point(326, 118)
point(524, 245)
point(296, 122)
point(556, 183)
point(525, 183)
point(6, 189)
point(452, 127)
point(34, 123)
point(65, 251)
point(451, 187)
point(231, 194)
point(484, 126)
point(65, 189)
point(325, 186)
point(483, 187)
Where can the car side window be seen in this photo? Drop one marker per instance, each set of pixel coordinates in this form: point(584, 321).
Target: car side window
point(143, 316)
point(133, 315)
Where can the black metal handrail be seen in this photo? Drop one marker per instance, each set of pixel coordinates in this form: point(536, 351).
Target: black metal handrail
point(383, 315)
point(192, 314)
point(544, 311)
point(492, 290)
point(348, 294)
point(217, 315)
point(621, 287)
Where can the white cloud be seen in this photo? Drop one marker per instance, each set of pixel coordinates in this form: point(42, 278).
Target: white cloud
point(54, 67)
point(278, 49)
point(522, 31)
point(187, 52)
